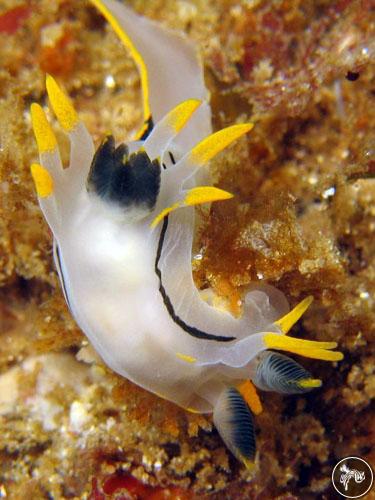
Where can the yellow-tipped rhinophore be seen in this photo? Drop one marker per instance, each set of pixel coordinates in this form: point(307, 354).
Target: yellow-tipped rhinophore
point(185, 357)
point(286, 322)
point(179, 115)
point(133, 52)
point(309, 383)
point(250, 395)
point(308, 348)
point(45, 138)
point(195, 196)
point(61, 105)
point(209, 147)
point(205, 194)
point(42, 179)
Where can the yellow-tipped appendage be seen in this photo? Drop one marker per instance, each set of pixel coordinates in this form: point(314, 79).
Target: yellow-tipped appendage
point(45, 138)
point(179, 116)
point(250, 466)
point(61, 105)
point(117, 28)
point(42, 179)
point(286, 322)
point(201, 154)
point(195, 196)
point(163, 213)
point(308, 348)
point(309, 383)
point(205, 194)
point(209, 147)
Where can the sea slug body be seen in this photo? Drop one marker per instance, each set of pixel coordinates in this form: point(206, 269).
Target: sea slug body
point(123, 223)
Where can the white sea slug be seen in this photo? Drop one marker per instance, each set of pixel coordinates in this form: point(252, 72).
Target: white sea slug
point(123, 222)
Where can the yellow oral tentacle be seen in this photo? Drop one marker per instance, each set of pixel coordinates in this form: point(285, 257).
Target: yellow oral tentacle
point(42, 179)
point(286, 322)
point(308, 348)
point(61, 105)
point(45, 138)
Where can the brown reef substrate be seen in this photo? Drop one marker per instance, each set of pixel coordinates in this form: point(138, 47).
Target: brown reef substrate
point(303, 219)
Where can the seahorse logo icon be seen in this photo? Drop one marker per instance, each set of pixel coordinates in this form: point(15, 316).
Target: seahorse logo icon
point(352, 477)
point(348, 474)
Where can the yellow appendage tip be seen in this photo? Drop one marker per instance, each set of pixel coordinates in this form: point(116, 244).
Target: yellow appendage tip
point(307, 348)
point(250, 466)
point(195, 196)
point(205, 150)
point(179, 115)
point(309, 383)
point(61, 105)
point(42, 179)
point(45, 138)
point(286, 322)
point(163, 213)
point(206, 194)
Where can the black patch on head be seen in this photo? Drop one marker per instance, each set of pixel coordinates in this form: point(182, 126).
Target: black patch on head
point(127, 180)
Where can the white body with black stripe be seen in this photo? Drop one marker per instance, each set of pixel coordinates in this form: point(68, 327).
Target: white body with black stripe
point(128, 280)
point(108, 270)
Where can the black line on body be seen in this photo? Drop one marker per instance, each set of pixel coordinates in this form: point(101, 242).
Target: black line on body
point(61, 275)
point(149, 125)
point(172, 157)
point(191, 330)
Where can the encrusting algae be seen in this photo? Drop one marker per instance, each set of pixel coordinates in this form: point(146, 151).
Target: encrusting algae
point(302, 218)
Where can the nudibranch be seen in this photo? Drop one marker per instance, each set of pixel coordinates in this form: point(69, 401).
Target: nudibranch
point(122, 218)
